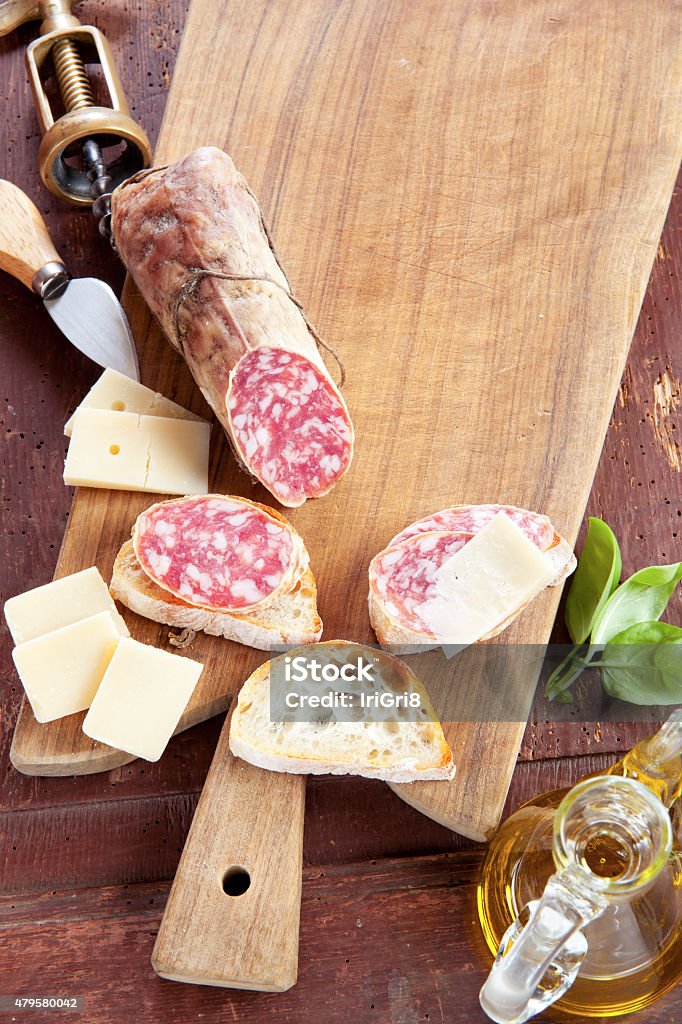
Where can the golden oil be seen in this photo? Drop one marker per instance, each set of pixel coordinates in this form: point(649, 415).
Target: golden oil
point(634, 948)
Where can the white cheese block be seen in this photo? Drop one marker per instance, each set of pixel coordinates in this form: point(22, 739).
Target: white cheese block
point(124, 451)
point(62, 670)
point(485, 582)
point(58, 604)
point(143, 694)
point(117, 393)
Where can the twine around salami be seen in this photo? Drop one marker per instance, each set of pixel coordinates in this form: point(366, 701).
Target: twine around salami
point(200, 273)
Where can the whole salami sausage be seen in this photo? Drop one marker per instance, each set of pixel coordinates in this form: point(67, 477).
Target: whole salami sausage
point(193, 238)
point(219, 552)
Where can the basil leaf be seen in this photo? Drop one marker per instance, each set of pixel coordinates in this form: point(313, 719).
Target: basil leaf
point(652, 632)
point(594, 581)
point(641, 598)
point(643, 664)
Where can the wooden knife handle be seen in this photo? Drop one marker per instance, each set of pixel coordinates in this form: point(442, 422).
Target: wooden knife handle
point(232, 917)
point(25, 243)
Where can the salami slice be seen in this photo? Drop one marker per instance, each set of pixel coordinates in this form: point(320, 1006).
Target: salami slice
point(218, 552)
point(472, 518)
point(289, 424)
point(404, 576)
point(193, 237)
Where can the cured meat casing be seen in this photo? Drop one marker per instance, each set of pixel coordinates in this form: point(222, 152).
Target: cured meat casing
point(403, 576)
point(193, 238)
point(218, 552)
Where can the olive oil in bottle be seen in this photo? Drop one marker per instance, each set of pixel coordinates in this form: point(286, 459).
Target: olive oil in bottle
point(603, 860)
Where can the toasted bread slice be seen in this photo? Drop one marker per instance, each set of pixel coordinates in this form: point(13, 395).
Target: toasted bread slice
point(388, 745)
point(291, 619)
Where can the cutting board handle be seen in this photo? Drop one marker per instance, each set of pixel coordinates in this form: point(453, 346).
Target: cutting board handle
point(25, 243)
point(232, 917)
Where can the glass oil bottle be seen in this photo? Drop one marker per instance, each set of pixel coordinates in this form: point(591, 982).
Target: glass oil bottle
point(581, 891)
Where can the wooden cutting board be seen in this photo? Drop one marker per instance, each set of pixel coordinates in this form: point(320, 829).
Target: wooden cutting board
point(232, 916)
point(467, 197)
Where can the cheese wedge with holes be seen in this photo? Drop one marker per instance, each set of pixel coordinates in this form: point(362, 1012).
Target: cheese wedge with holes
point(124, 451)
point(60, 603)
point(141, 699)
point(484, 583)
point(62, 670)
point(117, 393)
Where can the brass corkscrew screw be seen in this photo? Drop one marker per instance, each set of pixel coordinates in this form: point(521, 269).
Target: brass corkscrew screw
point(88, 149)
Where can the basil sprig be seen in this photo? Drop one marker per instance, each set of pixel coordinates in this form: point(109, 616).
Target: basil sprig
point(616, 628)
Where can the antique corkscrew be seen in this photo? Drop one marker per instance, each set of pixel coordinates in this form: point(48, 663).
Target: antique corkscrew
point(87, 149)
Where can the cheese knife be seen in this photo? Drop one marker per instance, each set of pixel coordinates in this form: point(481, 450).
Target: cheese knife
point(85, 309)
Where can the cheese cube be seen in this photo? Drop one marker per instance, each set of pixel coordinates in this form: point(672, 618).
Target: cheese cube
point(178, 459)
point(58, 604)
point(124, 451)
point(118, 393)
point(484, 583)
point(141, 699)
point(62, 670)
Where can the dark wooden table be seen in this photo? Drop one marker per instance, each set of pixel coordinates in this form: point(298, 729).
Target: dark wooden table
point(389, 932)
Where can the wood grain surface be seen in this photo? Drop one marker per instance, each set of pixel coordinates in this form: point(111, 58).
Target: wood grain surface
point(239, 832)
point(367, 952)
point(86, 909)
point(414, 264)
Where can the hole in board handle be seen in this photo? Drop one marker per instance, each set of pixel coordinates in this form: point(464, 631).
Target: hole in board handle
point(236, 881)
point(114, 449)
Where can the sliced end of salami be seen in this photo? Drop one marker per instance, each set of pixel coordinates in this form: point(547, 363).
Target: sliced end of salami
point(289, 424)
point(403, 577)
point(219, 552)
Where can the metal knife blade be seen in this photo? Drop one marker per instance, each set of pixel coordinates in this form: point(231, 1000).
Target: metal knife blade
point(92, 318)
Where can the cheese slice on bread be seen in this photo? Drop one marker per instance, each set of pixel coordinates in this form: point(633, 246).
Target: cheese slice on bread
point(395, 744)
point(462, 575)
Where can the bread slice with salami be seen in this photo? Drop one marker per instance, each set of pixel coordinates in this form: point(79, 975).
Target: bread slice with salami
point(462, 575)
point(223, 565)
point(291, 619)
point(398, 745)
